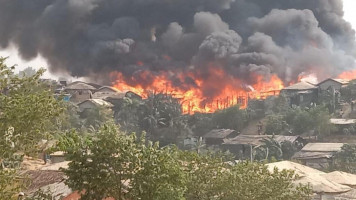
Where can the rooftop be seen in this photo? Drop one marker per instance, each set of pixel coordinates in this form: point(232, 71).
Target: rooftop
point(79, 85)
point(98, 102)
point(341, 81)
point(301, 86)
point(308, 175)
point(342, 121)
point(257, 139)
point(322, 147)
point(219, 133)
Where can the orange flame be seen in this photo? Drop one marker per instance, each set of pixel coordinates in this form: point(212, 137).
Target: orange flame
point(231, 90)
point(348, 75)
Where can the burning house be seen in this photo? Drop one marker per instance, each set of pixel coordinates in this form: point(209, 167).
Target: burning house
point(211, 54)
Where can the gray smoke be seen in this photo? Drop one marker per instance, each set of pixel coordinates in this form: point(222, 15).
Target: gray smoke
point(241, 37)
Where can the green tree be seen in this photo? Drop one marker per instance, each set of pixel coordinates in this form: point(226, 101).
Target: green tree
point(122, 166)
point(345, 160)
point(114, 163)
point(275, 124)
point(231, 118)
point(28, 110)
point(321, 120)
point(95, 117)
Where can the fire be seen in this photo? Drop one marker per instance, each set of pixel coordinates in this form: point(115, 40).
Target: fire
point(348, 75)
point(193, 98)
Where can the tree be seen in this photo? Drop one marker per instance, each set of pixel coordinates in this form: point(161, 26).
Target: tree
point(122, 166)
point(212, 178)
point(345, 160)
point(95, 117)
point(113, 163)
point(27, 72)
point(271, 149)
point(321, 120)
point(275, 124)
point(231, 118)
point(28, 110)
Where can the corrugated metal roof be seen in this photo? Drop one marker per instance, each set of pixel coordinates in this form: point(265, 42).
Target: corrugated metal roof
point(301, 86)
point(256, 139)
point(305, 155)
point(322, 147)
point(342, 121)
point(219, 133)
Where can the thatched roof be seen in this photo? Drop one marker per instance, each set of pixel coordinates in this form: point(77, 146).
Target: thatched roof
point(301, 86)
point(257, 139)
point(313, 177)
point(219, 133)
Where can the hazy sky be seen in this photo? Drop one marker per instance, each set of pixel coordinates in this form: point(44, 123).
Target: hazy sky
point(39, 62)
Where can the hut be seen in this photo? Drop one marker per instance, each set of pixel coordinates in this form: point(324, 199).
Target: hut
point(241, 145)
point(318, 155)
point(301, 94)
point(217, 136)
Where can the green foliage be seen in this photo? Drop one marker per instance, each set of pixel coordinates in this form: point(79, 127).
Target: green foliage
point(289, 149)
point(10, 183)
point(129, 114)
point(28, 110)
point(112, 162)
point(348, 93)
point(321, 120)
point(345, 160)
point(275, 124)
point(95, 117)
point(231, 118)
point(299, 120)
point(276, 104)
point(123, 166)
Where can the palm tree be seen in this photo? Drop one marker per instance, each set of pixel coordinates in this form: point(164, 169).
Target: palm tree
point(272, 148)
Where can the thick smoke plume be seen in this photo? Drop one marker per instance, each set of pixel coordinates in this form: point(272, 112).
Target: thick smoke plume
point(241, 37)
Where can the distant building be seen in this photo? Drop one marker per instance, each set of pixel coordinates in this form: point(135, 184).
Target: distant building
point(342, 124)
point(242, 144)
point(79, 91)
point(107, 92)
point(57, 157)
point(217, 136)
point(318, 155)
point(329, 83)
point(301, 94)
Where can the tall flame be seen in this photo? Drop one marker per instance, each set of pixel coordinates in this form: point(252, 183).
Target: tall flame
point(193, 98)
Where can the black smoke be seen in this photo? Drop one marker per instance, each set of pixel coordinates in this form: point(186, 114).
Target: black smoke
point(91, 38)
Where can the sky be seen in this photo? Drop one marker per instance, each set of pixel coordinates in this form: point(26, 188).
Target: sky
point(40, 62)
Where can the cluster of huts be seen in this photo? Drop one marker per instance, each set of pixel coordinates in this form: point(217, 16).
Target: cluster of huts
point(316, 155)
point(90, 95)
point(305, 93)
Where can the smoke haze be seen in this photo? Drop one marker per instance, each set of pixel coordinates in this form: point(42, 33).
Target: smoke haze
point(92, 38)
